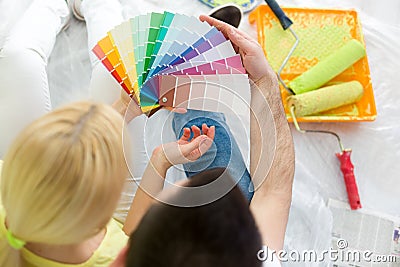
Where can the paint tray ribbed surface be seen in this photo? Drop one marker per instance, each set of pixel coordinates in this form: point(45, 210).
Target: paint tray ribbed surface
point(321, 32)
point(173, 60)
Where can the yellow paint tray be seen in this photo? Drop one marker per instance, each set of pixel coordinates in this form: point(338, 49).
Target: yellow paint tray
point(321, 32)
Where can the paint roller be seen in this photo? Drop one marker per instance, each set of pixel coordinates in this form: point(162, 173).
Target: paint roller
point(326, 98)
point(310, 102)
point(328, 68)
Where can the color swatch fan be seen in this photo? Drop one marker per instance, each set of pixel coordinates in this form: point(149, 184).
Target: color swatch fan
point(173, 60)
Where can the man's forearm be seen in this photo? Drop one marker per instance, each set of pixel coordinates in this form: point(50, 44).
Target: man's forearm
point(269, 145)
point(281, 172)
point(273, 182)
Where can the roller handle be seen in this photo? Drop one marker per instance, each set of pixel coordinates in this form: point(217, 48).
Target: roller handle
point(283, 19)
point(348, 173)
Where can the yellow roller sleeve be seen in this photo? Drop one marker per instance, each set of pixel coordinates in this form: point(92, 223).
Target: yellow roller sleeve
point(328, 68)
point(326, 98)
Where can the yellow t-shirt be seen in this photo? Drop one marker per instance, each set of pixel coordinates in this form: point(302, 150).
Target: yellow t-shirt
point(114, 240)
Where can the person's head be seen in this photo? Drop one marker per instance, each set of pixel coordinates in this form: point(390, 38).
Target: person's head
point(221, 233)
point(62, 176)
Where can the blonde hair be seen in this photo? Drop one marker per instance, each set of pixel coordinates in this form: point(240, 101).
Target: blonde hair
point(63, 176)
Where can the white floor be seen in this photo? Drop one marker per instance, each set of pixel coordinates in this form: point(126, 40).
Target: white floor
point(376, 145)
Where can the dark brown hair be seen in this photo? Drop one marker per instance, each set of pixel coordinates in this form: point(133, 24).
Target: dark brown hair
point(221, 233)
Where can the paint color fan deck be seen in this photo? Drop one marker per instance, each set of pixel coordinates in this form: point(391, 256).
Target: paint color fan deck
point(173, 60)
